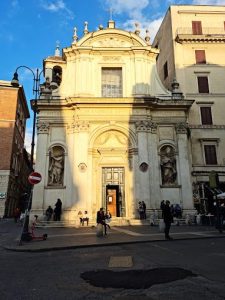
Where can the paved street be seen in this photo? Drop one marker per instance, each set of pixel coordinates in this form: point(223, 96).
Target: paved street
point(64, 274)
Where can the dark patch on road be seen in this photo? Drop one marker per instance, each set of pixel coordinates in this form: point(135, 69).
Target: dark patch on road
point(134, 279)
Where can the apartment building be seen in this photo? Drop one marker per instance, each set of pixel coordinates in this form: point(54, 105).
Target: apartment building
point(191, 40)
point(14, 160)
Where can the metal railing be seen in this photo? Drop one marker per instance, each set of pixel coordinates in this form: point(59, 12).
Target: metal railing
point(205, 31)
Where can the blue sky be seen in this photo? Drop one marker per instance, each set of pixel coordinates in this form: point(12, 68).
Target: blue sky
point(29, 29)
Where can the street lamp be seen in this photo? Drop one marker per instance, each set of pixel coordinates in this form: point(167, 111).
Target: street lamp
point(25, 236)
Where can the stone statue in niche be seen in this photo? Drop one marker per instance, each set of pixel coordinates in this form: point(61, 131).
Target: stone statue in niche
point(168, 165)
point(56, 166)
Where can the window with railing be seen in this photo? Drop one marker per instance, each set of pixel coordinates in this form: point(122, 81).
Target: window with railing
point(112, 82)
point(197, 27)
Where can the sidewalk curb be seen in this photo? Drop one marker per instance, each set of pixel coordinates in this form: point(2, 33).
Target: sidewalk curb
point(58, 248)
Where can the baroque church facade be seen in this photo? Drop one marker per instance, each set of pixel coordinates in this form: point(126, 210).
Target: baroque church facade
point(110, 135)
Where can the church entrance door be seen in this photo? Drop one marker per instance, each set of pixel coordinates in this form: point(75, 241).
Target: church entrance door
point(113, 190)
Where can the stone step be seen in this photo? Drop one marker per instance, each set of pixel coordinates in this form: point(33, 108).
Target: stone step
point(113, 222)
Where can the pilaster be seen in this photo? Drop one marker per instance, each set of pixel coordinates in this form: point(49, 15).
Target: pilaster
point(40, 165)
point(184, 166)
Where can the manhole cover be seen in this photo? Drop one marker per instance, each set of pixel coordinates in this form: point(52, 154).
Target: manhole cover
point(120, 262)
point(134, 279)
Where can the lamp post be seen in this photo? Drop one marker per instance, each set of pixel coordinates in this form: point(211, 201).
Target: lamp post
point(25, 235)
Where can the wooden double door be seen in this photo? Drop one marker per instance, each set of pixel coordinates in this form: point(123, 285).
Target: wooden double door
point(113, 190)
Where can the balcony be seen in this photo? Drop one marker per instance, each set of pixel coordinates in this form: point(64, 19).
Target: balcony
point(186, 35)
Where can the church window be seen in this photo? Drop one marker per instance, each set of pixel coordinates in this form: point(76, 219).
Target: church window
point(112, 82)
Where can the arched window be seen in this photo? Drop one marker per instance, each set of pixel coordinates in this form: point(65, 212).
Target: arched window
point(168, 165)
point(57, 75)
point(56, 166)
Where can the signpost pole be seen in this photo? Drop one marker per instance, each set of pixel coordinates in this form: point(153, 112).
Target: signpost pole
point(33, 178)
point(25, 235)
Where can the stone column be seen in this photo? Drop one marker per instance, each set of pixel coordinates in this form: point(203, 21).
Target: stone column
point(184, 166)
point(40, 166)
point(155, 181)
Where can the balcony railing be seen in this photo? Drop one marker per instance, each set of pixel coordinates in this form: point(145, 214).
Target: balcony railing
point(215, 31)
point(207, 34)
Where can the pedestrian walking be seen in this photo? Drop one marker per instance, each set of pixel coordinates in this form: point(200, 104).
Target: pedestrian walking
point(58, 210)
point(168, 219)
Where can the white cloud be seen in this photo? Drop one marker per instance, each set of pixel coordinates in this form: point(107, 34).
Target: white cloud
point(57, 6)
point(152, 26)
point(135, 11)
point(28, 140)
point(54, 6)
point(132, 7)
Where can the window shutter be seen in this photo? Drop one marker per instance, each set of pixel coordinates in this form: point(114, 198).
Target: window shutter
point(206, 115)
point(210, 155)
point(197, 27)
point(203, 85)
point(200, 56)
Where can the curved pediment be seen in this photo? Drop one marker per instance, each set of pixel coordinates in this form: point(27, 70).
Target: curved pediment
point(112, 38)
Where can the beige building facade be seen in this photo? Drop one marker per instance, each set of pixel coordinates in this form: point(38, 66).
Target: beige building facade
point(110, 135)
point(191, 41)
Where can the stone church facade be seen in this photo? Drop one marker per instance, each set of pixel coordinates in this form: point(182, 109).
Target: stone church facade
point(110, 135)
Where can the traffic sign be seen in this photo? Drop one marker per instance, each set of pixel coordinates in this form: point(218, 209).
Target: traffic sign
point(34, 178)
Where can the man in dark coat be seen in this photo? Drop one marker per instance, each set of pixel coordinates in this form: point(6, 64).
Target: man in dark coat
point(168, 219)
point(58, 210)
point(101, 219)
